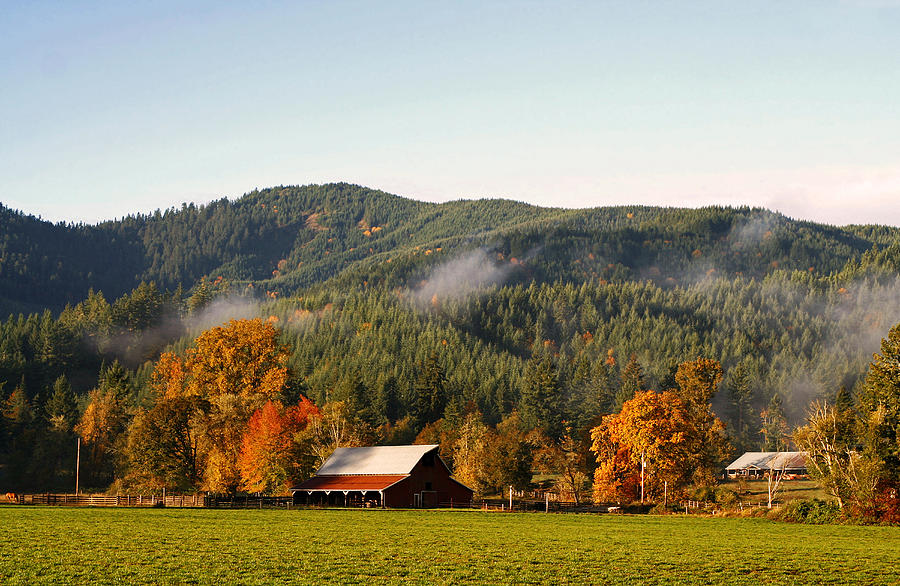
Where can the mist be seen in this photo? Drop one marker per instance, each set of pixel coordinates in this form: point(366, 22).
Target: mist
point(135, 348)
point(458, 278)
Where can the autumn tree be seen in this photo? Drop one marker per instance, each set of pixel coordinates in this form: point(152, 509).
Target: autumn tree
point(650, 443)
point(698, 380)
point(229, 373)
point(847, 470)
point(566, 458)
point(164, 446)
point(335, 426)
point(269, 461)
point(102, 426)
point(470, 453)
point(243, 358)
point(510, 454)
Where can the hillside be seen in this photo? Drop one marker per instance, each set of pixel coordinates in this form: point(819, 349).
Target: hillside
point(285, 238)
point(382, 300)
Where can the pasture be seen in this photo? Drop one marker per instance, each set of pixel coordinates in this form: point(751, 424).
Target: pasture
point(53, 545)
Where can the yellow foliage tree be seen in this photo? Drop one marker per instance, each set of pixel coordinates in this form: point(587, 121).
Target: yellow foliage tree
point(654, 432)
point(231, 372)
point(242, 358)
point(698, 380)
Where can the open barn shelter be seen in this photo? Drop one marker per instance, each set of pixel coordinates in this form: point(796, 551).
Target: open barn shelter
point(383, 476)
point(760, 464)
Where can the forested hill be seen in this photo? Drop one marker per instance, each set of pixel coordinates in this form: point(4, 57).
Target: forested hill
point(414, 316)
point(285, 238)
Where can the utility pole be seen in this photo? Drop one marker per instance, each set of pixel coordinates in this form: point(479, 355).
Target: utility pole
point(510, 498)
point(642, 476)
point(77, 465)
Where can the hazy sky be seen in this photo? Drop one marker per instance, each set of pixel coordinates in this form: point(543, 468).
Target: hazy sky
point(120, 107)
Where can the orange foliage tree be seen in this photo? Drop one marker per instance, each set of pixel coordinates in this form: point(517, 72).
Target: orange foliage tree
point(268, 461)
point(653, 428)
point(674, 435)
point(243, 358)
point(229, 373)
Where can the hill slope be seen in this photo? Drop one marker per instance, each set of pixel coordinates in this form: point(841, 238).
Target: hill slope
point(285, 238)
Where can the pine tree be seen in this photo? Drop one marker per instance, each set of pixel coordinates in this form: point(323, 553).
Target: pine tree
point(541, 402)
point(429, 393)
point(631, 382)
point(61, 410)
point(774, 425)
point(740, 396)
point(882, 397)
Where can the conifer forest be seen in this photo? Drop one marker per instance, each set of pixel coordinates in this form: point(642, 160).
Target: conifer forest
point(229, 347)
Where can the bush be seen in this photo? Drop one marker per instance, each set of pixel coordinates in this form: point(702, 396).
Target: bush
point(719, 495)
point(809, 511)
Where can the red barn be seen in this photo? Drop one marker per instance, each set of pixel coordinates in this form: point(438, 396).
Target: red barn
point(388, 476)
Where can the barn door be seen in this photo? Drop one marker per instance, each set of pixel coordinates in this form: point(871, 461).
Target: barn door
point(429, 499)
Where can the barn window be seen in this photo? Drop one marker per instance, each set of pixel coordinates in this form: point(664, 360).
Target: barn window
point(427, 486)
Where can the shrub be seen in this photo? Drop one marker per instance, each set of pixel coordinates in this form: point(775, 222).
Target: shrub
point(719, 495)
point(810, 511)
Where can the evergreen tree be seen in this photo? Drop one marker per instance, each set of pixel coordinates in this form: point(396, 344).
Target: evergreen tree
point(740, 397)
point(541, 402)
point(61, 409)
point(631, 382)
point(387, 402)
point(881, 398)
point(429, 393)
point(774, 425)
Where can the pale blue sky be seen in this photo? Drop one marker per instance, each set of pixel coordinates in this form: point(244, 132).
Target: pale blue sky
point(119, 107)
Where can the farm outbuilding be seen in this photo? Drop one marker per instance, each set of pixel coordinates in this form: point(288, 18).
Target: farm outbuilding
point(386, 476)
point(759, 464)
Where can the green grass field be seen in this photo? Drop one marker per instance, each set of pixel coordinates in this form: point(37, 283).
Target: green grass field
point(69, 545)
point(757, 490)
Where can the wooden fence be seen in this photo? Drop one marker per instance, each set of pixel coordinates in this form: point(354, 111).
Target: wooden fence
point(529, 505)
point(249, 502)
point(103, 500)
point(279, 502)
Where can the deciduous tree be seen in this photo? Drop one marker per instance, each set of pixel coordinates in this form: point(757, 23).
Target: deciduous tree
point(268, 457)
point(654, 431)
point(698, 380)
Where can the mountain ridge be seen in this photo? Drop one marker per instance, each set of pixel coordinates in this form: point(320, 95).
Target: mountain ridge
point(287, 237)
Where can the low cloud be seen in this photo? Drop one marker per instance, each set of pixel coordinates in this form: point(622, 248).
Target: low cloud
point(135, 348)
point(222, 310)
point(460, 277)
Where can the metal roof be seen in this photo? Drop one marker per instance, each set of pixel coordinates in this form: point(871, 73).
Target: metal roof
point(769, 461)
point(374, 460)
point(354, 482)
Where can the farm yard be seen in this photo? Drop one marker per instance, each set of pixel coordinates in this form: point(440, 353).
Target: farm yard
point(201, 546)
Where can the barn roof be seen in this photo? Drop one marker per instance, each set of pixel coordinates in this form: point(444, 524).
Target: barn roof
point(355, 482)
point(374, 460)
point(769, 461)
